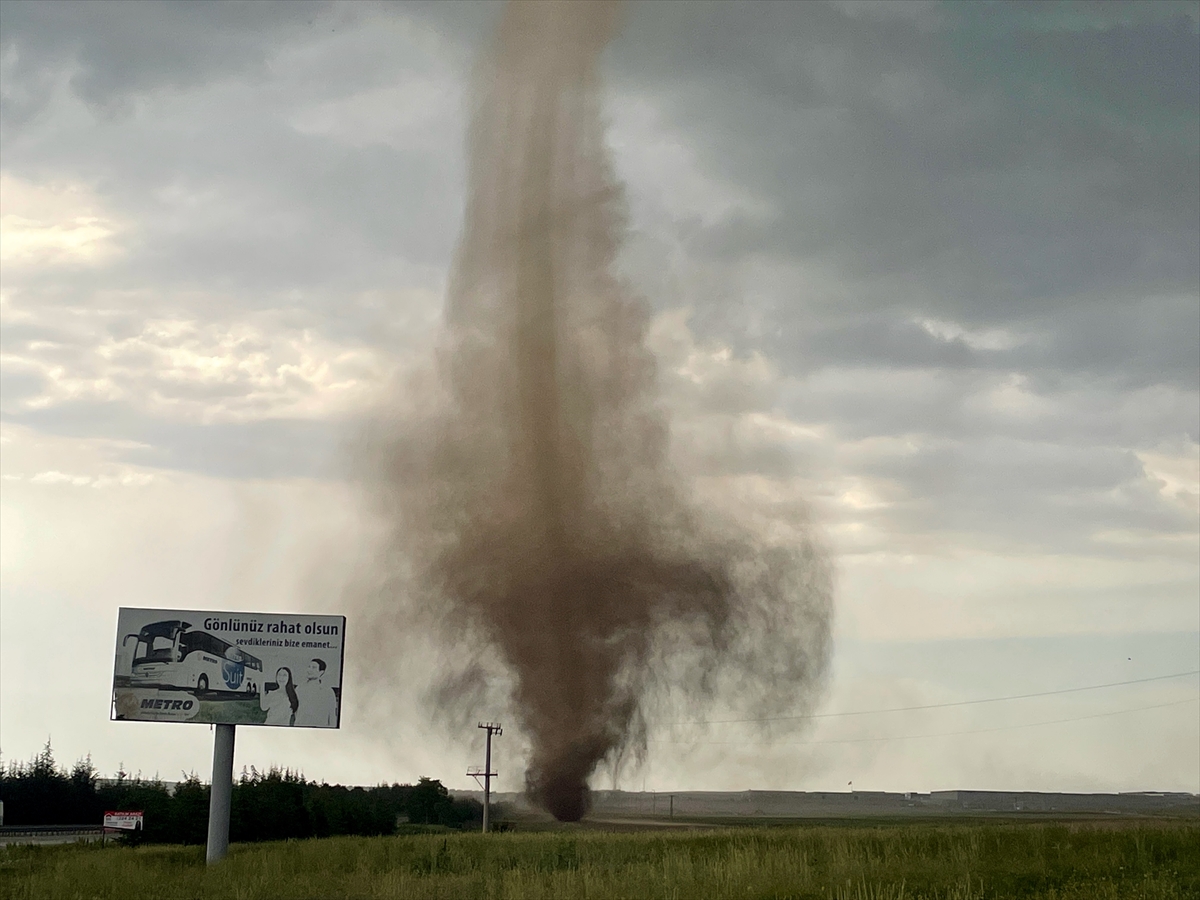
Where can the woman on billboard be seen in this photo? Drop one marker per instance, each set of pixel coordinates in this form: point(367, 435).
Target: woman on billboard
point(279, 700)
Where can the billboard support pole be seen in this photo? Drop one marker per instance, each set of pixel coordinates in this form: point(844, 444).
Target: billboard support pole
point(220, 794)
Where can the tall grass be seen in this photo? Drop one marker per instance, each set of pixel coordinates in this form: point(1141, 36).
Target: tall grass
point(947, 862)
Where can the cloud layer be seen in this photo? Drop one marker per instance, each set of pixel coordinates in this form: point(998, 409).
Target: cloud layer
point(927, 274)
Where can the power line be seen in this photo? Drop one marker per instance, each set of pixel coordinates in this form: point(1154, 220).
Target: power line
point(908, 737)
point(870, 712)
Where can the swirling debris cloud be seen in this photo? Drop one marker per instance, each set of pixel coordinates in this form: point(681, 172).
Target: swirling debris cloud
point(531, 497)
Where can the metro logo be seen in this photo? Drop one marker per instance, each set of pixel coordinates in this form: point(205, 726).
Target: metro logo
point(154, 705)
point(149, 703)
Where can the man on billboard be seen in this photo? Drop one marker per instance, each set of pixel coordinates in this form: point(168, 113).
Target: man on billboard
point(318, 703)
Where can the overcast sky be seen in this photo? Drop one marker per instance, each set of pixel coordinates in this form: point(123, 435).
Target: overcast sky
point(930, 270)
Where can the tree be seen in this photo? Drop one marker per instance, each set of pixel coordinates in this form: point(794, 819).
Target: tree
point(189, 811)
point(39, 793)
point(274, 805)
point(425, 803)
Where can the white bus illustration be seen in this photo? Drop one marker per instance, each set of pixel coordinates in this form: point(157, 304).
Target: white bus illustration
point(169, 654)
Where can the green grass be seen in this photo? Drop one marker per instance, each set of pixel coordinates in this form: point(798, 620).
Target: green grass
point(1061, 861)
point(232, 712)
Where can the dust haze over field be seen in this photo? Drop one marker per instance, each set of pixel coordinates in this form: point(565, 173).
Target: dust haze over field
point(537, 523)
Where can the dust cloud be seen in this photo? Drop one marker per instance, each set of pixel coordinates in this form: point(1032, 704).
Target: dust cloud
point(535, 517)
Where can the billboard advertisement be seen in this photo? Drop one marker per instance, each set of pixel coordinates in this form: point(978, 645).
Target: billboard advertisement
point(132, 820)
point(184, 665)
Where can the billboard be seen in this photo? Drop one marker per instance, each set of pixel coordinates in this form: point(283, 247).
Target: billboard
point(124, 821)
point(183, 665)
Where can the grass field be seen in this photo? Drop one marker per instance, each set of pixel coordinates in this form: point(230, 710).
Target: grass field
point(1094, 861)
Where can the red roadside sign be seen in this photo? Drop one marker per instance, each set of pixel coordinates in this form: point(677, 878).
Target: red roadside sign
point(129, 820)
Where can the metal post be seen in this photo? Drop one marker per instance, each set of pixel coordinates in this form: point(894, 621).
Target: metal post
point(220, 794)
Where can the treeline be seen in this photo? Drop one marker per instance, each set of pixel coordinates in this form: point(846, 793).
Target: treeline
point(266, 806)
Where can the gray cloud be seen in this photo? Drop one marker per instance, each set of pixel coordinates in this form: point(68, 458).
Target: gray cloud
point(937, 207)
point(943, 262)
point(273, 448)
point(984, 168)
point(118, 49)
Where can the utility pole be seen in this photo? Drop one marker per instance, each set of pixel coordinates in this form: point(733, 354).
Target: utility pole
point(672, 806)
point(487, 774)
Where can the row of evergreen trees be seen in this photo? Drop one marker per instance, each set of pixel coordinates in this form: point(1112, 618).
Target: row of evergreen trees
point(269, 806)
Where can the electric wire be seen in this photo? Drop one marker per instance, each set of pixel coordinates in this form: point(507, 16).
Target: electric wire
point(909, 737)
point(870, 712)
